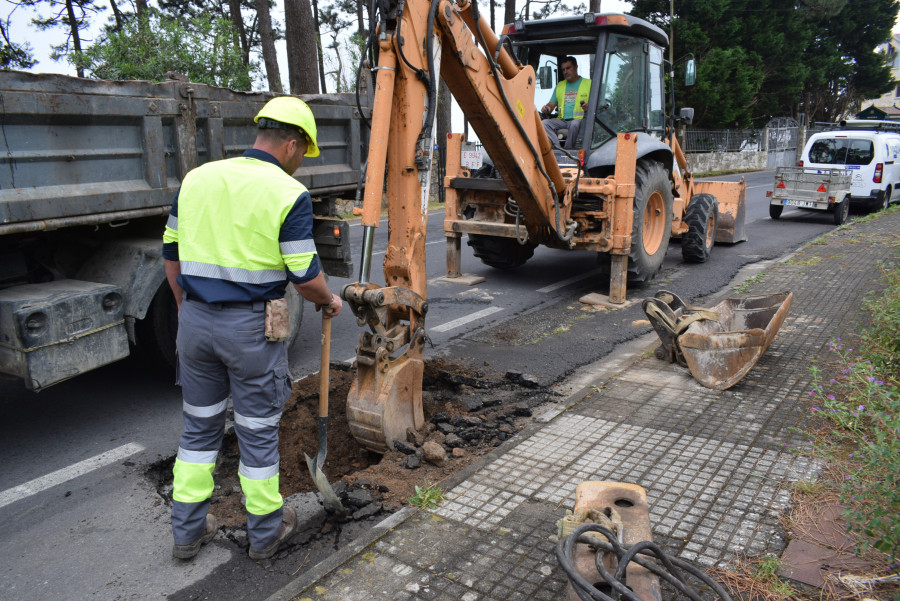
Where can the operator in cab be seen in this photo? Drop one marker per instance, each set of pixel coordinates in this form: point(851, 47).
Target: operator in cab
point(571, 97)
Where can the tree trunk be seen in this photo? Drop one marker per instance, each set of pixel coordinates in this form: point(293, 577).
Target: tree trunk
point(360, 19)
point(595, 6)
point(117, 14)
point(140, 8)
point(238, 20)
point(76, 40)
point(321, 53)
point(267, 40)
point(301, 46)
point(509, 11)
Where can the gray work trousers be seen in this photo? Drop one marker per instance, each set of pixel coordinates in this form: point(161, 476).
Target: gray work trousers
point(551, 126)
point(223, 350)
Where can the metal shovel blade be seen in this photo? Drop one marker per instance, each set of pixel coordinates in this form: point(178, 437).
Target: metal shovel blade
point(329, 497)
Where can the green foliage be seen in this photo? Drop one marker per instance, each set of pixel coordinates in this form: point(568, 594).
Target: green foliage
point(428, 496)
point(883, 339)
point(763, 58)
point(767, 568)
point(202, 48)
point(748, 283)
point(12, 54)
point(862, 404)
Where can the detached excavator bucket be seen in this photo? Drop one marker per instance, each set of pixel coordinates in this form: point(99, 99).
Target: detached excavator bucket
point(722, 344)
point(732, 197)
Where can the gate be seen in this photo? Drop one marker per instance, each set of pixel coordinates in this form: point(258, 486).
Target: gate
point(784, 133)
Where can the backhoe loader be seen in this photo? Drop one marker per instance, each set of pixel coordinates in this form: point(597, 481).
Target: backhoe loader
point(622, 194)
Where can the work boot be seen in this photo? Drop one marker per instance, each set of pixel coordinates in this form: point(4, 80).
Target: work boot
point(190, 550)
point(288, 525)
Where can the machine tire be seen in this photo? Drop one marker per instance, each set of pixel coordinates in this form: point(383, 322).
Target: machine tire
point(702, 218)
point(500, 253)
point(652, 225)
point(775, 211)
point(842, 211)
point(157, 332)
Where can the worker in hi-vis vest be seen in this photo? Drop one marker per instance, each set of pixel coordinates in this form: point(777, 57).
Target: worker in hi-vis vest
point(571, 97)
point(239, 231)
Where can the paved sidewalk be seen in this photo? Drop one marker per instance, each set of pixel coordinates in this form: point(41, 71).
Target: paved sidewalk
point(714, 464)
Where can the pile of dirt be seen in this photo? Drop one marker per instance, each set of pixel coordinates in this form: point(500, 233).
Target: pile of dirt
point(467, 413)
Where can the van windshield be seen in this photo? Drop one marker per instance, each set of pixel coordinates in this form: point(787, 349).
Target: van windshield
point(842, 151)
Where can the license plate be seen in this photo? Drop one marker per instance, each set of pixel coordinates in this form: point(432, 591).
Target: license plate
point(800, 203)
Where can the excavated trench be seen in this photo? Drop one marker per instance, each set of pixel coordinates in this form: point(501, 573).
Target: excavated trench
point(468, 412)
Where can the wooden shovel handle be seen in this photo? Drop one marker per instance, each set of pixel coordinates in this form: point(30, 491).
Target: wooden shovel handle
point(323, 372)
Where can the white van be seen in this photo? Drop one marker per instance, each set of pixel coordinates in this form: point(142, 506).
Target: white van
point(870, 149)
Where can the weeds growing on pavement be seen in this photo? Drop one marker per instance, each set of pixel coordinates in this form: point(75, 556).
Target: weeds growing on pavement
point(428, 495)
point(749, 282)
point(858, 396)
point(756, 579)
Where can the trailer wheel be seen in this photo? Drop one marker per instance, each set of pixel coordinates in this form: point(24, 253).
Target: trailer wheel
point(775, 211)
point(701, 217)
point(841, 211)
point(500, 253)
point(652, 225)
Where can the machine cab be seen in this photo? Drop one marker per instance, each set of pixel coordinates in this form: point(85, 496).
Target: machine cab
point(620, 54)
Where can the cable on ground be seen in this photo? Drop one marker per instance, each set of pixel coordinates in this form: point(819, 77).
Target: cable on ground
point(670, 569)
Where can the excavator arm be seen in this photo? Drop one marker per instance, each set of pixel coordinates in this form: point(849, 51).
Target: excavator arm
point(416, 39)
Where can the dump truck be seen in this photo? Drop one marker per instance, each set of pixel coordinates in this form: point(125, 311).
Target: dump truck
point(88, 172)
point(622, 194)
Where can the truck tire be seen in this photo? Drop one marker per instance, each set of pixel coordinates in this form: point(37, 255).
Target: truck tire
point(775, 211)
point(157, 332)
point(500, 253)
point(702, 218)
point(842, 211)
point(652, 224)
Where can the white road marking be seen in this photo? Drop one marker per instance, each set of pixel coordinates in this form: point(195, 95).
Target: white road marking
point(571, 280)
point(11, 495)
point(467, 319)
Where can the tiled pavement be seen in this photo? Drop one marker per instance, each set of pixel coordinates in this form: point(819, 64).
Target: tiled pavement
point(714, 464)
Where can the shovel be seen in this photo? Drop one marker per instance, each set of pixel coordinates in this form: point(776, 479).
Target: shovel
point(332, 502)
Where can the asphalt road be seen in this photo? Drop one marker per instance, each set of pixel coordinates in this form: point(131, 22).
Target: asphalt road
point(78, 518)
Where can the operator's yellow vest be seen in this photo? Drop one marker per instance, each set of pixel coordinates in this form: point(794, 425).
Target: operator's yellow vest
point(229, 217)
point(584, 92)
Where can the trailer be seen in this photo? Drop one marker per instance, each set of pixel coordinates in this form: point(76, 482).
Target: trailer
point(88, 171)
point(815, 189)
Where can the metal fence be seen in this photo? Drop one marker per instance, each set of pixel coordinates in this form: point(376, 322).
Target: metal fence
point(723, 140)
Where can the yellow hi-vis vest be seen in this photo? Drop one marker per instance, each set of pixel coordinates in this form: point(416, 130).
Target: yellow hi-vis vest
point(230, 216)
point(584, 92)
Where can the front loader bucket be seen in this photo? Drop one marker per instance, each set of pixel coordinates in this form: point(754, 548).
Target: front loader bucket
point(732, 197)
point(383, 403)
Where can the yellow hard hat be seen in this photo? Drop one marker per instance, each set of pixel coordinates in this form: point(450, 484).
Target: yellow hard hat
point(289, 111)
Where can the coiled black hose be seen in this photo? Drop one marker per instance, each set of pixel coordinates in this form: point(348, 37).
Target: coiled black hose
point(670, 569)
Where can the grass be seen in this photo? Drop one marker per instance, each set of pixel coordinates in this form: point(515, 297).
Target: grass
point(749, 282)
point(756, 578)
point(429, 496)
point(855, 431)
point(805, 262)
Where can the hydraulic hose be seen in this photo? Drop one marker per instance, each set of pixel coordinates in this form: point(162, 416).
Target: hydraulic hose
point(666, 567)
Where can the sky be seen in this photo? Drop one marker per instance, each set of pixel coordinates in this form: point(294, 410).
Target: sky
point(22, 30)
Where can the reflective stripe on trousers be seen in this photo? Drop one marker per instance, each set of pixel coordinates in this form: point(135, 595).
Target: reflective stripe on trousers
point(222, 350)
